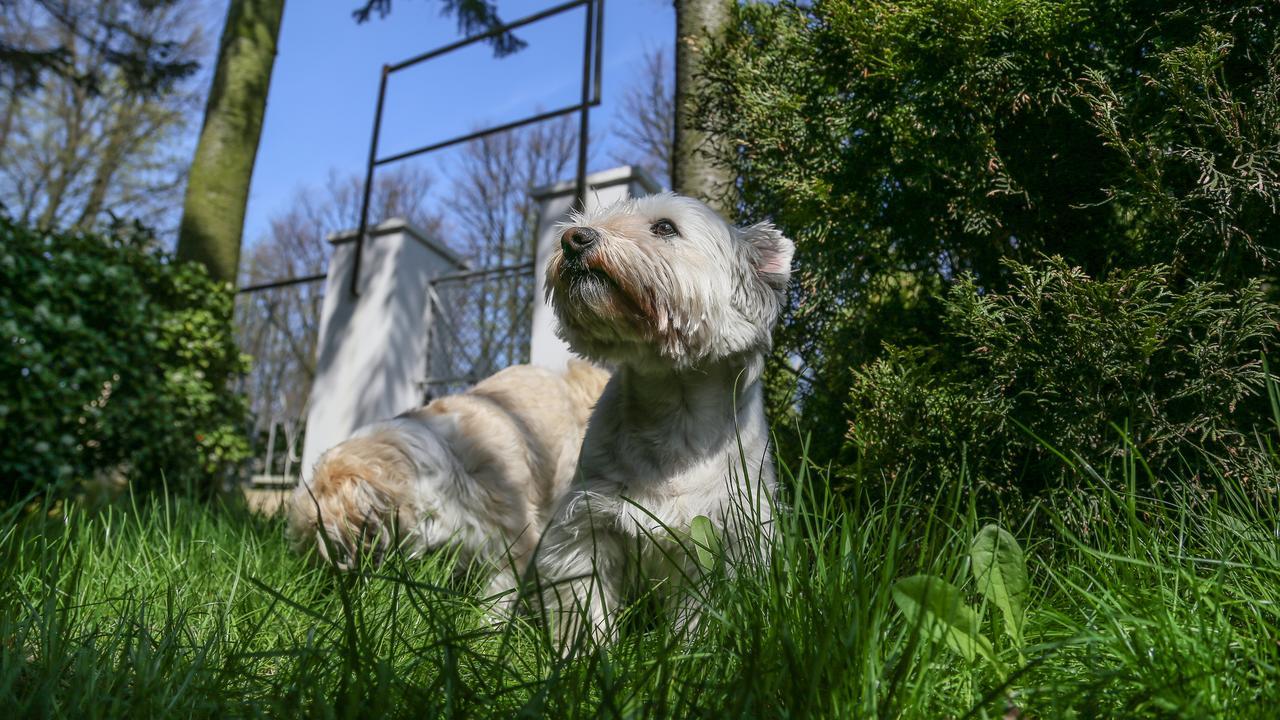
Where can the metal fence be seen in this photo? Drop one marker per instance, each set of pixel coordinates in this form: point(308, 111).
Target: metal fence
point(478, 323)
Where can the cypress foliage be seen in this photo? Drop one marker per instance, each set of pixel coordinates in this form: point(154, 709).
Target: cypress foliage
point(907, 144)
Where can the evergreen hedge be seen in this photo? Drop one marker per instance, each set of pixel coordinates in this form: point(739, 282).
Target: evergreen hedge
point(118, 363)
point(919, 148)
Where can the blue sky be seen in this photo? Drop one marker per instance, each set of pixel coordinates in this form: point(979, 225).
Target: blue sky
point(323, 90)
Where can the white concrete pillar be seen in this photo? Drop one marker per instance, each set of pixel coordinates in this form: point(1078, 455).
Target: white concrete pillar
point(554, 202)
point(371, 353)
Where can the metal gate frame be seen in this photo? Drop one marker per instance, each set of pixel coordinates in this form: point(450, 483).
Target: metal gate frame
point(592, 54)
point(592, 68)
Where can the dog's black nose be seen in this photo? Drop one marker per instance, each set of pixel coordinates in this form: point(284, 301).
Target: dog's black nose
point(577, 240)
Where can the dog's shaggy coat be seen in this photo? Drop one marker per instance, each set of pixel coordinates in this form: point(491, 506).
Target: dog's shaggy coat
point(481, 470)
point(682, 304)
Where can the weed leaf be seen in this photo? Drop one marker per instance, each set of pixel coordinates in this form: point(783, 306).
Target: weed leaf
point(1000, 569)
point(705, 542)
point(937, 607)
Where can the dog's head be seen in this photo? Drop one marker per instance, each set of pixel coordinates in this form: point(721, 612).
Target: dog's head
point(665, 280)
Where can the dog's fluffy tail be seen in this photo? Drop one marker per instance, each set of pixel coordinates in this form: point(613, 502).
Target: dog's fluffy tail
point(350, 507)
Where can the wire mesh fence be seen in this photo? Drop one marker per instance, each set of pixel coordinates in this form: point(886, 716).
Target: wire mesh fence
point(479, 323)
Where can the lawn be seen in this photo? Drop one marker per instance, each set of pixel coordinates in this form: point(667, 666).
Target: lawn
point(1160, 605)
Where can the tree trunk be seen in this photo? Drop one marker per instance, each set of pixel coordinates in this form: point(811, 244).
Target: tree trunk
point(699, 169)
point(218, 185)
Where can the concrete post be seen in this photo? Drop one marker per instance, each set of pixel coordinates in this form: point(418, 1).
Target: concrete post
point(371, 353)
point(554, 203)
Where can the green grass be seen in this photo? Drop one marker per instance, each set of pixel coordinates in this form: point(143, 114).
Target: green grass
point(1149, 607)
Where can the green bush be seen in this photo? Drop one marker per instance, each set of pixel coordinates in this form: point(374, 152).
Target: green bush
point(905, 143)
point(1068, 361)
point(117, 363)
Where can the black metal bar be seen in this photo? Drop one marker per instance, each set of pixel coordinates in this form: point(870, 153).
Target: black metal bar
point(580, 182)
point(514, 25)
point(368, 184)
point(281, 283)
point(599, 51)
point(481, 133)
point(522, 267)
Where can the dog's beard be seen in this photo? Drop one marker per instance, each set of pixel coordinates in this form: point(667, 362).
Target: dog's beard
point(614, 309)
point(586, 287)
point(588, 296)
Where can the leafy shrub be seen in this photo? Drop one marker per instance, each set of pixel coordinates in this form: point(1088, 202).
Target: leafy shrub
point(117, 360)
point(1061, 357)
point(904, 143)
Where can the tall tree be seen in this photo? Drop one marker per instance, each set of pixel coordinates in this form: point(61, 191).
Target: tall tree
point(218, 186)
point(699, 169)
point(906, 143)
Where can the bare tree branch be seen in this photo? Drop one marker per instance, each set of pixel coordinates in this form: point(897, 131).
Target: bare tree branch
point(75, 155)
point(647, 124)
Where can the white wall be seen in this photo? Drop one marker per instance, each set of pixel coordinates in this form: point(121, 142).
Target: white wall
point(371, 353)
point(554, 202)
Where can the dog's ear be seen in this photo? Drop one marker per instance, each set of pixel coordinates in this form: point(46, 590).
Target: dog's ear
point(771, 253)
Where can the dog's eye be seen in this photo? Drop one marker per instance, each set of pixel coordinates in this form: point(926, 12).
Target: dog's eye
point(663, 228)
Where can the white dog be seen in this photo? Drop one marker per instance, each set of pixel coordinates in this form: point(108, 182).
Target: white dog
point(482, 469)
point(683, 305)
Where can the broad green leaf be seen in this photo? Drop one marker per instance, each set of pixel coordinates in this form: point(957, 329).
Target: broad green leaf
point(938, 608)
point(705, 541)
point(1000, 569)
